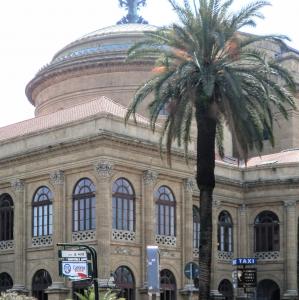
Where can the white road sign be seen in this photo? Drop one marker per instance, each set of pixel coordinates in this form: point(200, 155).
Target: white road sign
point(74, 254)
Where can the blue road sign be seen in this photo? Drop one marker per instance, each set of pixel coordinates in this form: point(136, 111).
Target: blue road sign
point(191, 270)
point(244, 261)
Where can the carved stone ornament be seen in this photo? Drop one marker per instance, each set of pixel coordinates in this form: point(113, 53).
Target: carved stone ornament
point(216, 203)
point(57, 177)
point(289, 203)
point(243, 208)
point(17, 185)
point(150, 176)
point(104, 168)
point(189, 184)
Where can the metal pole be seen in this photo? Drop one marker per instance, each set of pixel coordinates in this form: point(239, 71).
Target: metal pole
point(94, 260)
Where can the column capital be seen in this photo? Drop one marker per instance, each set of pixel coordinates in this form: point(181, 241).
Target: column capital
point(189, 184)
point(104, 168)
point(243, 208)
point(57, 177)
point(17, 185)
point(289, 203)
point(216, 203)
point(150, 177)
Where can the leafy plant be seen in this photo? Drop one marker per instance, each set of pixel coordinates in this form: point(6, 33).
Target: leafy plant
point(14, 296)
point(90, 295)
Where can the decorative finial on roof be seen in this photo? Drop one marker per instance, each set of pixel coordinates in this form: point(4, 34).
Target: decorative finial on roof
point(132, 6)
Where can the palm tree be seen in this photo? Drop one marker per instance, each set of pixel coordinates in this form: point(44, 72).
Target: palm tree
point(205, 68)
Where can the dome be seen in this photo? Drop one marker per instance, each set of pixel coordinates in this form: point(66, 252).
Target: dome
point(115, 38)
point(93, 65)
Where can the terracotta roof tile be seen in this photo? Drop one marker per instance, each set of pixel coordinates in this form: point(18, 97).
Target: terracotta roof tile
point(95, 106)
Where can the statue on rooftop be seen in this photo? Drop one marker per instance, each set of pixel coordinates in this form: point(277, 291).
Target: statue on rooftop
point(132, 6)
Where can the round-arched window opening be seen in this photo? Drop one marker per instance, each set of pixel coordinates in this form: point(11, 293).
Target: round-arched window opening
point(266, 232)
point(6, 282)
point(124, 280)
point(84, 205)
point(225, 232)
point(226, 289)
point(40, 282)
point(6, 218)
point(168, 285)
point(268, 290)
point(123, 205)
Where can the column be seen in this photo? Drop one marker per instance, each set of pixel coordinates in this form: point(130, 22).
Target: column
point(148, 212)
point(290, 250)
point(17, 186)
point(241, 246)
point(187, 227)
point(103, 170)
point(214, 287)
point(58, 290)
point(242, 242)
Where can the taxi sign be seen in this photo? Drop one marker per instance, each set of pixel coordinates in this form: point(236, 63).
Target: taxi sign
point(244, 261)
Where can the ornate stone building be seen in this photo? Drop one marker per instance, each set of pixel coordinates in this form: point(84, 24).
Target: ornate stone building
point(76, 173)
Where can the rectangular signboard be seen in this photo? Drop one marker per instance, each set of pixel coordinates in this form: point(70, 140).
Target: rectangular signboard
point(74, 254)
point(246, 278)
point(153, 269)
point(74, 269)
point(244, 261)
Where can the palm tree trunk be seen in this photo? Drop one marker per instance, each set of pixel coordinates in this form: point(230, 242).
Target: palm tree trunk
point(205, 177)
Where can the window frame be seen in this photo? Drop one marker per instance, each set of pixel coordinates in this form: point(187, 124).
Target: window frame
point(127, 221)
point(87, 201)
point(40, 206)
point(266, 232)
point(225, 234)
point(196, 227)
point(6, 218)
point(165, 226)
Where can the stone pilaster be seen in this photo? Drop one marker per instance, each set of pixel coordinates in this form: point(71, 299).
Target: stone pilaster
point(214, 293)
point(18, 188)
point(103, 171)
point(58, 235)
point(148, 225)
point(242, 234)
point(291, 291)
point(187, 222)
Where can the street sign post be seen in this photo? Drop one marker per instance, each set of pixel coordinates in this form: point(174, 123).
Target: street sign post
point(191, 270)
point(79, 264)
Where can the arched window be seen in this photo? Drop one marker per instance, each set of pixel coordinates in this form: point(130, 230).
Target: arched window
point(42, 212)
point(226, 289)
point(125, 281)
point(40, 282)
point(225, 232)
point(165, 212)
point(266, 231)
point(84, 206)
point(168, 285)
point(268, 289)
point(6, 282)
point(6, 218)
point(196, 227)
point(123, 205)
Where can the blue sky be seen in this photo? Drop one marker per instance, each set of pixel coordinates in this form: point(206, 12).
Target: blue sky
point(32, 31)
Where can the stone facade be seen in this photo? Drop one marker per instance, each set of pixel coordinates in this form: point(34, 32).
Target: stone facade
point(100, 148)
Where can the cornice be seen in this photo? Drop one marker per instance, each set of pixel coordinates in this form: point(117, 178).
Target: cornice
point(78, 67)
